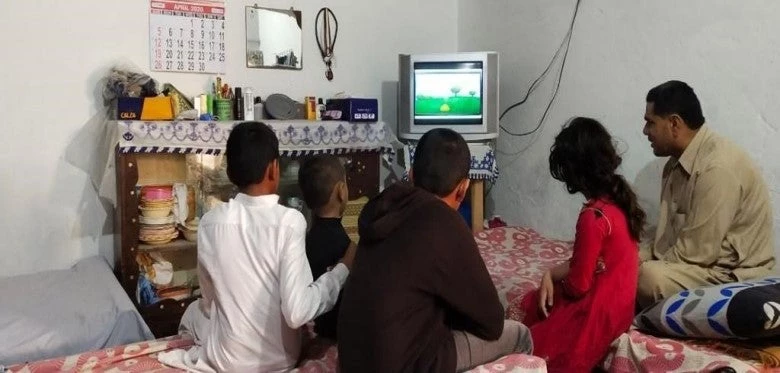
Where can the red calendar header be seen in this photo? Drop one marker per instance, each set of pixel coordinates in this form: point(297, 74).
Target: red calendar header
point(187, 7)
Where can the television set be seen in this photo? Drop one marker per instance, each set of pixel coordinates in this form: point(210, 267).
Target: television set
point(450, 90)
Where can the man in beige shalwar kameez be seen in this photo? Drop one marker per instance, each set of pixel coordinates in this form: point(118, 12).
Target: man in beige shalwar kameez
point(715, 217)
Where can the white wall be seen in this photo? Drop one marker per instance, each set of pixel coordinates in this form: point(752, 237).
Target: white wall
point(55, 53)
point(728, 51)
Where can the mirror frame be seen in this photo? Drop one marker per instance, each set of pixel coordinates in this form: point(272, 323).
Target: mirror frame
point(298, 19)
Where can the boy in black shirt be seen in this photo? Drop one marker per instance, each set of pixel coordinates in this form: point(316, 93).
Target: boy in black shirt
point(323, 182)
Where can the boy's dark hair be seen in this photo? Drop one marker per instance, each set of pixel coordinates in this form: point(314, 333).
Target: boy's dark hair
point(441, 161)
point(676, 97)
point(317, 177)
point(251, 147)
point(584, 158)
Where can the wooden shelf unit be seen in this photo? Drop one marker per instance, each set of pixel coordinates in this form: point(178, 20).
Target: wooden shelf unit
point(138, 169)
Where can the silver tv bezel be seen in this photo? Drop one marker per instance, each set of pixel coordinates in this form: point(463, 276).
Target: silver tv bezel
point(407, 129)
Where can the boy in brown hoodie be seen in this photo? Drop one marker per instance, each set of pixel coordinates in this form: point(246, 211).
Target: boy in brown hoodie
point(419, 297)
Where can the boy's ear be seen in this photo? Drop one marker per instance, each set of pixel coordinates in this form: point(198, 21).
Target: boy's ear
point(272, 172)
point(343, 191)
point(462, 190)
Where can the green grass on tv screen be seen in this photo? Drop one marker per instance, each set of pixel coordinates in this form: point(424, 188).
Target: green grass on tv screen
point(442, 106)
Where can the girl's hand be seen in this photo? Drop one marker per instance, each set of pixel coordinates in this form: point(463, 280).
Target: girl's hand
point(546, 293)
point(600, 266)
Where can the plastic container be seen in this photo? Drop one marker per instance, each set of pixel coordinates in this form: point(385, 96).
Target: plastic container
point(156, 192)
point(223, 109)
point(249, 106)
point(311, 108)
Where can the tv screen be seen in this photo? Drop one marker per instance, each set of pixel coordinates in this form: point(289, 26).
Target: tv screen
point(448, 92)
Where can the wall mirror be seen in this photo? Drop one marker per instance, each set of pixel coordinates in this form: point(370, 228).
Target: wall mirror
point(274, 38)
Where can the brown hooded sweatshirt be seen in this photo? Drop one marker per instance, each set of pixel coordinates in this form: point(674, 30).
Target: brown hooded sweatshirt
point(417, 276)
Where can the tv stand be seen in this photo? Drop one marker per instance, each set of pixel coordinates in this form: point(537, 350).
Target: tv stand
point(483, 167)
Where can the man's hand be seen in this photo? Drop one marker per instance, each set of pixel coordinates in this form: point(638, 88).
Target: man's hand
point(645, 252)
point(546, 292)
point(349, 256)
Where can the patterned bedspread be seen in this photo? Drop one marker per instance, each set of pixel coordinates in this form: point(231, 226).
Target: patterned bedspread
point(516, 259)
point(319, 357)
point(637, 352)
point(323, 357)
point(136, 357)
point(508, 253)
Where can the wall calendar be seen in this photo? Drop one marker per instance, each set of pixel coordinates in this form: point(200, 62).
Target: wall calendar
point(187, 36)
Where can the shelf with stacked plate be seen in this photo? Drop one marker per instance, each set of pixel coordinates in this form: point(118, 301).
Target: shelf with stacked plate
point(157, 229)
point(174, 245)
point(170, 173)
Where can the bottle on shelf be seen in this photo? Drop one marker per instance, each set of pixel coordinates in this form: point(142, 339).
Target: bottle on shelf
point(259, 111)
point(249, 107)
point(320, 109)
point(238, 106)
point(311, 107)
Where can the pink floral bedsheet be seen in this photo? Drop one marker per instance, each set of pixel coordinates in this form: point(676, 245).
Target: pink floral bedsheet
point(323, 357)
point(638, 352)
point(320, 357)
point(135, 357)
point(517, 258)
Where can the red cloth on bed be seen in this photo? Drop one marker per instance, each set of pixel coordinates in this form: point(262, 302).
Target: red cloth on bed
point(590, 309)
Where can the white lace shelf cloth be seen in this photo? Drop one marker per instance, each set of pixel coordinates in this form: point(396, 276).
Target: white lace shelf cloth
point(296, 137)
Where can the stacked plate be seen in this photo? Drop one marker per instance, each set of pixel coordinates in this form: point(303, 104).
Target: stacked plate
point(157, 221)
point(175, 292)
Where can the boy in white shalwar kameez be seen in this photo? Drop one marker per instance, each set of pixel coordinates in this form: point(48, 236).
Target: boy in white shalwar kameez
point(255, 279)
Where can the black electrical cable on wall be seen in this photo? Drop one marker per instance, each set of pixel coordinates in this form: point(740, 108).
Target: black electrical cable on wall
point(564, 46)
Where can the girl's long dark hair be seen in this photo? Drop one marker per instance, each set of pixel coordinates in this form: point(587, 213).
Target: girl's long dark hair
point(584, 157)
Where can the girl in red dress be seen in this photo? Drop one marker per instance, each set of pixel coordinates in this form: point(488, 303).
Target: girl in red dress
point(584, 304)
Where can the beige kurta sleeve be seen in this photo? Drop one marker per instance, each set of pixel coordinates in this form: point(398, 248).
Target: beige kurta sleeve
point(646, 250)
point(713, 206)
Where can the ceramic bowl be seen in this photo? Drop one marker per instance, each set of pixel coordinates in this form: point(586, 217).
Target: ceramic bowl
point(190, 235)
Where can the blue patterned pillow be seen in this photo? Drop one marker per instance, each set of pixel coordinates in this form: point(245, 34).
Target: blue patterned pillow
point(738, 310)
